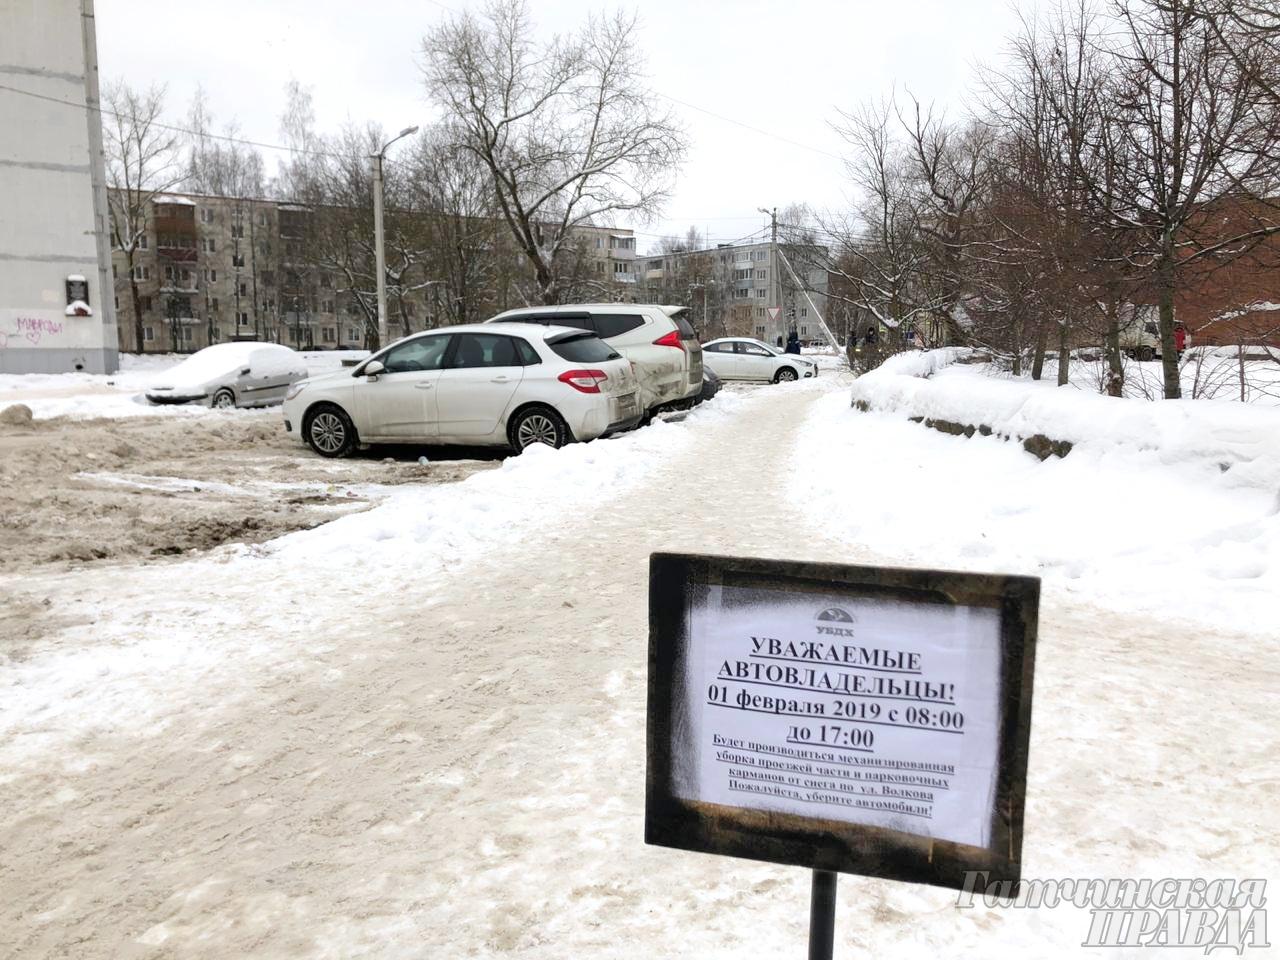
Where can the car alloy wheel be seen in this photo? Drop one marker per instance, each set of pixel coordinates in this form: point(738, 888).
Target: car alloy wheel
point(328, 432)
point(536, 428)
point(223, 399)
point(786, 375)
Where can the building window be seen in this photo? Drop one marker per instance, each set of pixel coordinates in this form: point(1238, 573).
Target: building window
point(328, 334)
point(242, 319)
point(597, 243)
point(237, 259)
point(760, 331)
point(243, 288)
point(326, 281)
point(326, 306)
point(759, 311)
point(142, 272)
point(210, 245)
point(804, 311)
point(169, 273)
point(353, 334)
point(761, 292)
point(262, 218)
point(743, 274)
point(762, 274)
point(206, 215)
point(211, 276)
point(148, 333)
point(237, 231)
point(213, 304)
point(804, 329)
point(145, 303)
point(117, 302)
point(620, 266)
point(142, 241)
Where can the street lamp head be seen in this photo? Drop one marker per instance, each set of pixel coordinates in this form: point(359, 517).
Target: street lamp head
point(764, 211)
point(408, 130)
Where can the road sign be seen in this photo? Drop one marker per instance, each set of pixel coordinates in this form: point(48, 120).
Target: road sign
point(774, 313)
point(857, 719)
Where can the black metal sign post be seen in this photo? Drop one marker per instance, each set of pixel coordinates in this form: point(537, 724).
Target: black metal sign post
point(863, 720)
point(822, 915)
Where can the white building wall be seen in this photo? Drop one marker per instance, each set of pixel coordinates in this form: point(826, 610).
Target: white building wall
point(53, 215)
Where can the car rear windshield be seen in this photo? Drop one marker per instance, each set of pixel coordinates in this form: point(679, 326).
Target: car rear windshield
point(582, 348)
point(685, 328)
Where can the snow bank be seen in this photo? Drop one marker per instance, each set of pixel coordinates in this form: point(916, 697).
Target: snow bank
point(447, 525)
point(1240, 440)
point(1164, 509)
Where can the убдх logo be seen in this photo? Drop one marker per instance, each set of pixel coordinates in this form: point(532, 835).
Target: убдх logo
point(828, 618)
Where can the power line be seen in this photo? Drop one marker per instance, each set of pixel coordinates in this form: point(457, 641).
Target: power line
point(101, 110)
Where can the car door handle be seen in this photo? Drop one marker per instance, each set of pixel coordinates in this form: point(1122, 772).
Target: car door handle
point(423, 386)
point(500, 380)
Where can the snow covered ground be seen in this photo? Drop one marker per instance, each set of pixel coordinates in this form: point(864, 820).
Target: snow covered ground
point(86, 395)
point(419, 730)
point(1172, 509)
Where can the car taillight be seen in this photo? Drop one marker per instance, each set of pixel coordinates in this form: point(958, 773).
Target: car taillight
point(671, 339)
point(584, 381)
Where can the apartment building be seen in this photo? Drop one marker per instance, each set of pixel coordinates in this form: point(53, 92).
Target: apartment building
point(211, 269)
point(55, 296)
point(744, 289)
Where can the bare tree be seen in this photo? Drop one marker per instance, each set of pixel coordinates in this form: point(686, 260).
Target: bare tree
point(1191, 146)
point(566, 129)
point(141, 162)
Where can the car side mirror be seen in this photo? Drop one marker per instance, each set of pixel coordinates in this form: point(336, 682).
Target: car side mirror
point(373, 368)
point(244, 372)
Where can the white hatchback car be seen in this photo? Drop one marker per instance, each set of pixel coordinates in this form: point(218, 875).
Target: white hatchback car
point(657, 339)
point(237, 374)
point(472, 385)
point(742, 358)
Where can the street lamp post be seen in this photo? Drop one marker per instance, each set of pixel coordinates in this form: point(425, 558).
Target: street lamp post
point(380, 255)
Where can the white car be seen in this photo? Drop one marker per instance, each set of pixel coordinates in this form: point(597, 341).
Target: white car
point(472, 385)
point(237, 374)
point(657, 339)
point(742, 358)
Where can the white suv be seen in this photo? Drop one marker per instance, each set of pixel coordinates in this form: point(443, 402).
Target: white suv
point(657, 339)
point(472, 385)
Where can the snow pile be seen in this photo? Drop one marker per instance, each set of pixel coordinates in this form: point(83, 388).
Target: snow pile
point(1241, 441)
point(419, 527)
point(1159, 508)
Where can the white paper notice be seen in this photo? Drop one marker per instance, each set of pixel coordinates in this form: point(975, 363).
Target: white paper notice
point(876, 712)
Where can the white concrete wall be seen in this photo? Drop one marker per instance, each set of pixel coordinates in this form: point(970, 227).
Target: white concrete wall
point(51, 222)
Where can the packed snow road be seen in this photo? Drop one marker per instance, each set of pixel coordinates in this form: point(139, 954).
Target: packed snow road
point(418, 731)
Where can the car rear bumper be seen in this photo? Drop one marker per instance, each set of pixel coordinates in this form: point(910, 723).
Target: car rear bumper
point(622, 426)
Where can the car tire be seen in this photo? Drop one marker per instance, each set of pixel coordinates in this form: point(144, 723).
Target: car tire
point(329, 431)
point(223, 399)
point(786, 375)
point(537, 425)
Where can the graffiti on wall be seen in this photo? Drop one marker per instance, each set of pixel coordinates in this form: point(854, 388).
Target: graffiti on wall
point(30, 329)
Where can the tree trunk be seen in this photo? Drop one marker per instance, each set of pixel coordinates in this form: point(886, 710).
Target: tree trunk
point(137, 309)
point(1064, 353)
point(1168, 345)
point(1115, 366)
point(1037, 362)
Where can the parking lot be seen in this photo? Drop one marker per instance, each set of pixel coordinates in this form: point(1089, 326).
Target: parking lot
point(164, 486)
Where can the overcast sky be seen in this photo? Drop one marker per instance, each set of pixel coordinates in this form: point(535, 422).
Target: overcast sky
point(782, 66)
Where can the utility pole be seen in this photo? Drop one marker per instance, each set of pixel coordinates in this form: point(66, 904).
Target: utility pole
point(379, 253)
point(774, 287)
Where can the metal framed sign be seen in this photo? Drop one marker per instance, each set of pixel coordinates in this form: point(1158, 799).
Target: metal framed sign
point(854, 719)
